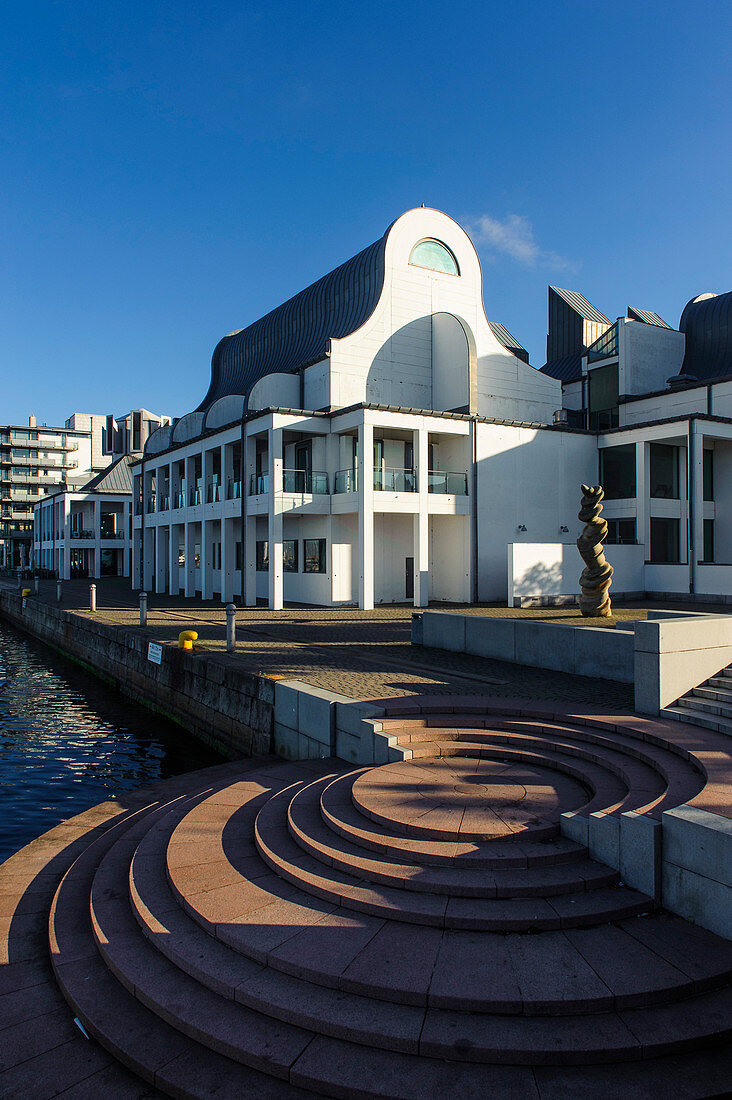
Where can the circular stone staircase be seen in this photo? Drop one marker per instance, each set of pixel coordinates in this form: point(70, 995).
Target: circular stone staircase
point(418, 929)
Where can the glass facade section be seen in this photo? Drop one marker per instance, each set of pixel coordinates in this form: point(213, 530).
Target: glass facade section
point(708, 539)
point(709, 475)
point(617, 471)
point(435, 256)
point(262, 556)
point(621, 532)
point(664, 471)
point(664, 540)
point(289, 556)
point(602, 386)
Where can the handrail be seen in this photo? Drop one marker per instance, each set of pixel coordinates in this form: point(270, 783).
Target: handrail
point(448, 481)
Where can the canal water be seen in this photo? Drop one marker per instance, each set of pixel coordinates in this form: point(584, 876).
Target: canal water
point(69, 741)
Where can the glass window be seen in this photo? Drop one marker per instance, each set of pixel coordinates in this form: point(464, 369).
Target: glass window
point(617, 471)
point(238, 555)
point(709, 475)
point(709, 538)
point(664, 540)
point(435, 256)
point(603, 397)
point(289, 555)
point(262, 556)
point(621, 532)
point(315, 555)
point(664, 471)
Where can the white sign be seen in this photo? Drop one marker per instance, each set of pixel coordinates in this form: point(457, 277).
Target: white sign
point(25, 603)
point(154, 652)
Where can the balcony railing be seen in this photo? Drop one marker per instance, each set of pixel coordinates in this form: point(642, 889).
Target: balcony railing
point(346, 481)
point(448, 481)
point(195, 496)
point(233, 490)
point(213, 493)
point(179, 498)
point(138, 507)
point(151, 503)
point(394, 480)
point(82, 534)
point(163, 502)
point(310, 482)
point(258, 483)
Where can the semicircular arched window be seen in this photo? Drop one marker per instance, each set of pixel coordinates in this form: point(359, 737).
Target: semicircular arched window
point(434, 255)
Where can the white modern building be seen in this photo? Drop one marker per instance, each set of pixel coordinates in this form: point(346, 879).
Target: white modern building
point(377, 439)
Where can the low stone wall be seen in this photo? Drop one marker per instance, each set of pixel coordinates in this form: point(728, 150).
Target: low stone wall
point(312, 723)
point(213, 698)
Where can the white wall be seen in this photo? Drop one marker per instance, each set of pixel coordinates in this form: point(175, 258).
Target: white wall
point(553, 569)
point(393, 544)
point(274, 390)
point(449, 558)
point(722, 502)
point(450, 365)
point(344, 557)
point(649, 355)
point(531, 477)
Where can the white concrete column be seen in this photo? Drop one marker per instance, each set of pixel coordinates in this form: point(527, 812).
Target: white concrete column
point(66, 520)
point(228, 560)
point(250, 562)
point(274, 518)
point(422, 521)
point(136, 578)
point(97, 571)
point(696, 521)
point(190, 566)
point(206, 557)
point(172, 558)
point(366, 516)
point(148, 565)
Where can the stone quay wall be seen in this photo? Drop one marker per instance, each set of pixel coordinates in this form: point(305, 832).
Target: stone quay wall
point(213, 698)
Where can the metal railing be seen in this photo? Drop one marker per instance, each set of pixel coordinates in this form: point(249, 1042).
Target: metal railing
point(346, 481)
point(179, 498)
point(163, 502)
point(194, 497)
point(448, 481)
point(150, 506)
point(258, 483)
point(394, 480)
point(233, 489)
point(304, 481)
point(213, 492)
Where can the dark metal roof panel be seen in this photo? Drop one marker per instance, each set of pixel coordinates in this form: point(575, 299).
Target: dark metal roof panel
point(581, 305)
point(117, 478)
point(707, 324)
point(567, 369)
point(509, 342)
point(647, 317)
point(296, 334)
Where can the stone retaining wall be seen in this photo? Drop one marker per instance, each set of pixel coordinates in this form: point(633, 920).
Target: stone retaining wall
point(212, 697)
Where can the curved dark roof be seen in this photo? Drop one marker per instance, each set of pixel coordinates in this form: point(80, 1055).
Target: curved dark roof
point(296, 334)
point(707, 325)
point(503, 336)
point(566, 369)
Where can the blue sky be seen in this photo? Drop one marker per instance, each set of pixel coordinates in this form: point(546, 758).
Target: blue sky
point(171, 171)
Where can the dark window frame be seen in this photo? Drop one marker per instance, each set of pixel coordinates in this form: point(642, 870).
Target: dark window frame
point(308, 556)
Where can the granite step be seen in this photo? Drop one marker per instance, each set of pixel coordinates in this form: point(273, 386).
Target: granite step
point(263, 1043)
point(698, 717)
point(342, 817)
point(310, 832)
point(287, 859)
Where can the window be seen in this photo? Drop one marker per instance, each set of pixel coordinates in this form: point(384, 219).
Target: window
point(435, 256)
point(664, 540)
point(709, 475)
point(315, 555)
point(262, 556)
point(664, 471)
point(238, 555)
point(708, 536)
point(603, 397)
point(289, 556)
point(617, 471)
point(621, 532)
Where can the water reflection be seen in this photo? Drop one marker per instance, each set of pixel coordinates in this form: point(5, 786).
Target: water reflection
point(68, 741)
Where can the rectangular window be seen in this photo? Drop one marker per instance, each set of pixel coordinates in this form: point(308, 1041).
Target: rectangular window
point(238, 555)
point(617, 471)
point(621, 532)
point(263, 556)
point(708, 538)
point(709, 475)
point(315, 555)
point(664, 471)
point(664, 540)
point(289, 556)
point(603, 397)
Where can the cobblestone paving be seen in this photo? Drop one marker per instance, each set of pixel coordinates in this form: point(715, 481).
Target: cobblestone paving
point(363, 654)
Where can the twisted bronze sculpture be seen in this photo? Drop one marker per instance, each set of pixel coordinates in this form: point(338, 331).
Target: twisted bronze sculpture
point(596, 577)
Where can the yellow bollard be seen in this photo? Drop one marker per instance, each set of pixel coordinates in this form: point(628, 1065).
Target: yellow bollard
point(25, 592)
point(186, 638)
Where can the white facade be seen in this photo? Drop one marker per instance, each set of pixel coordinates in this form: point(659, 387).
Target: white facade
point(83, 534)
point(404, 459)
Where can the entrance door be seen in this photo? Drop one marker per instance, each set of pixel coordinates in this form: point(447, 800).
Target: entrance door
point(409, 578)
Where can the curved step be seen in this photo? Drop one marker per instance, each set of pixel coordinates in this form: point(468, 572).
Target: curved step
point(310, 833)
point(280, 852)
point(341, 816)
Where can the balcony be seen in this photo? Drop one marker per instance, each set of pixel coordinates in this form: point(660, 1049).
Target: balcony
point(448, 481)
point(213, 492)
point(163, 502)
point(195, 496)
point(309, 482)
point(150, 503)
point(233, 490)
point(82, 534)
point(394, 480)
point(179, 498)
point(346, 481)
point(258, 483)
